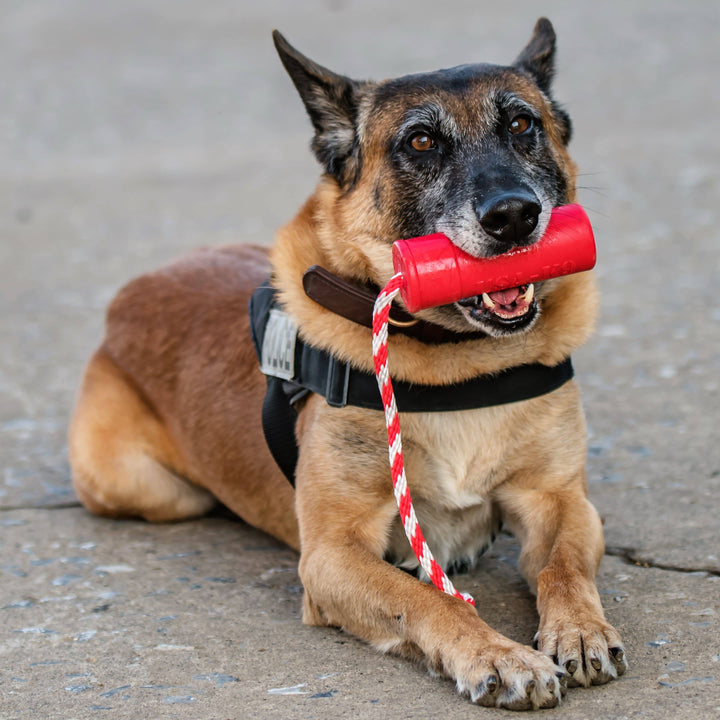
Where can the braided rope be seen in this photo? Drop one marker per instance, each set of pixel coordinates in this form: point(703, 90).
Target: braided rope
point(381, 313)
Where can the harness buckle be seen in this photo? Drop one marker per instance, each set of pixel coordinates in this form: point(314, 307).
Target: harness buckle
point(338, 379)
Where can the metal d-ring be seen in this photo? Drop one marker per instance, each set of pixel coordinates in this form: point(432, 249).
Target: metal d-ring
point(403, 323)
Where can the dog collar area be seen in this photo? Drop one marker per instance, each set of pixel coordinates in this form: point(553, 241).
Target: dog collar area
point(355, 303)
point(294, 369)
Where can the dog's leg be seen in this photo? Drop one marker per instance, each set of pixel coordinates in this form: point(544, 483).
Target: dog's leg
point(562, 546)
point(121, 455)
point(348, 585)
point(346, 507)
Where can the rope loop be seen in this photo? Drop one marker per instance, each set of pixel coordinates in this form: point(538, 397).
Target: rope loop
point(381, 314)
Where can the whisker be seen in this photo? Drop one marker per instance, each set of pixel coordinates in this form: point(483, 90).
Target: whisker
point(596, 212)
point(589, 174)
point(597, 190)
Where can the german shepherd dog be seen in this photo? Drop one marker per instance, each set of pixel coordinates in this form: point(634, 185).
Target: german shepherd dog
point(167, 421)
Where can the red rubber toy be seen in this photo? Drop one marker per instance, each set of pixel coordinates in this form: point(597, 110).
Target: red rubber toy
point(436, 272)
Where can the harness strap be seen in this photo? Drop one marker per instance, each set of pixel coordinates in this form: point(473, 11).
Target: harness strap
point(294, 369)
point(278, 421)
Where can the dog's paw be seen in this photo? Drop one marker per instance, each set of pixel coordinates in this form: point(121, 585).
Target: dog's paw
point(591, 653)
point(512, 676)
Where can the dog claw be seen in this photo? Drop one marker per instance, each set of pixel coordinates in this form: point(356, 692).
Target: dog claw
point(617, 655)
point(562, 677)
point(597, 665)
point(571, 666)
point(530, 688)
point(492, 684)
point(486, 691)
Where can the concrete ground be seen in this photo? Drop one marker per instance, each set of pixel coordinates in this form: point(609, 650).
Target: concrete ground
point(132, 131)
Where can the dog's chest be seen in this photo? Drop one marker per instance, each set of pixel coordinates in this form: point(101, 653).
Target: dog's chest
point(453, 461)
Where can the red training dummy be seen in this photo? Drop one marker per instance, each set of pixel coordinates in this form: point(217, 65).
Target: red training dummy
point(437, 272)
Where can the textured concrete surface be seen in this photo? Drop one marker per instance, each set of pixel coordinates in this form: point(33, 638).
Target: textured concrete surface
point(132, 131)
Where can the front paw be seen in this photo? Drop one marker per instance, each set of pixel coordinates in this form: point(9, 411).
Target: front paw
point(507, 675)
point(589, 650)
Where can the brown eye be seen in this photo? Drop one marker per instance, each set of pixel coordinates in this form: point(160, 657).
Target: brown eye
point(520, 124)
point(422, 142)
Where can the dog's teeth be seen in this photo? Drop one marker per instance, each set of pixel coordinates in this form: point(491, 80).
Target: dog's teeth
point(487, 301)
point(530, 293)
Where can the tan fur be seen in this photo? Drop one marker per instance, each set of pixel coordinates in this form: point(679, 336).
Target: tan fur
point(176, 384)
point(568, 313)
point(168, 419)
point(121, 453)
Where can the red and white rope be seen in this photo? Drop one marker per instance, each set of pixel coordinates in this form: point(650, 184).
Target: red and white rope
point(381, 313)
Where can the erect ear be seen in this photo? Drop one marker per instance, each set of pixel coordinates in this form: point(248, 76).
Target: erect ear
point(331, 101)
point(538, 57)
point(563, 122)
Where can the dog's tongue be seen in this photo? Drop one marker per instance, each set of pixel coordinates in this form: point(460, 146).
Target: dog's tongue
point(505, 297)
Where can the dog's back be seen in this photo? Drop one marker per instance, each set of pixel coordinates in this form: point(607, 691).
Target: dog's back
point(175, 371)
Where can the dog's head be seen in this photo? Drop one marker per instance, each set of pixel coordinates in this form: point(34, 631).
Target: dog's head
point(477, 152)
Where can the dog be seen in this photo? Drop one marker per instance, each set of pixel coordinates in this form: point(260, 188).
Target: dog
point(167, 421)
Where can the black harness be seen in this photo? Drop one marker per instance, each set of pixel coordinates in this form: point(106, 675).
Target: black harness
point(294, 370)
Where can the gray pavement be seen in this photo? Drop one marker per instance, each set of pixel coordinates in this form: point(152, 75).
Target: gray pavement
point(132, 131)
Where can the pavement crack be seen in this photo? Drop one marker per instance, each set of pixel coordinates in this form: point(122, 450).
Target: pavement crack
point(56, 506)
point(631, 556)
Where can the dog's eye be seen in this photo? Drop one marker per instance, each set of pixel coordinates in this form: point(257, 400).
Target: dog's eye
point(520, 124)
point(422, 142)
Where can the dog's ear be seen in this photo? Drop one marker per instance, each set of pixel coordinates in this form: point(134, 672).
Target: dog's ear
point(538, 60)
point(538, 57)
point(563, 122)
point(331, 102)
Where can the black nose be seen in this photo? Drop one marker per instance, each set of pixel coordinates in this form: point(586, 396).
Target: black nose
point(510, 217)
